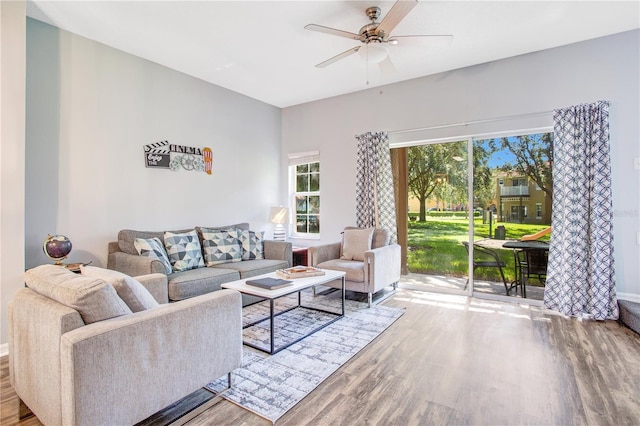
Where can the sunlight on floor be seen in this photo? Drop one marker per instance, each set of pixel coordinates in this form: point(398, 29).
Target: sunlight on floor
point(465, 303)
point(449, 283)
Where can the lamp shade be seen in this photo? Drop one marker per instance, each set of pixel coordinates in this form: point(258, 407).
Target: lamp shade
point(279, 215)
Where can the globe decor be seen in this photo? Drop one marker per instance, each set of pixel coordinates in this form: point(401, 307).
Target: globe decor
point(56, 247)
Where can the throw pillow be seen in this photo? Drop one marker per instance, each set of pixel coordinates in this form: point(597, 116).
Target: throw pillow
point(154, 248)
point(221, 246)
point(184, 250)
point(134, 294)
point(94, 299)
point(252, 247)
point(355, 242)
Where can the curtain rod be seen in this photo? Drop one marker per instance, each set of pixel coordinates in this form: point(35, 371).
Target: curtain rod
point(466, 123)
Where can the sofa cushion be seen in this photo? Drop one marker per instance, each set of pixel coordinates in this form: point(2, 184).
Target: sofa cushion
point(184, 250)
point(252, 246)
point(220, 246)
point(134, 294)
point(154, 248)
point(244, 226)
point(93, 298)
point(186, 284)
point(355, 242)
point(353, 269)
point(127, 237)
point(251, 268)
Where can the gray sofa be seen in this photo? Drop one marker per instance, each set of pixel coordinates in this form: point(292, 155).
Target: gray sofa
point(79, 366)
point(124, 257)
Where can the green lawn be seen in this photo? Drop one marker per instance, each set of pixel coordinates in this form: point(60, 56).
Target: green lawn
point(435, 246)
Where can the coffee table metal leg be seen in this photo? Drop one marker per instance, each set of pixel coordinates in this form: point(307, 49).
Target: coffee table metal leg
point(343, 294)
point(271, 321)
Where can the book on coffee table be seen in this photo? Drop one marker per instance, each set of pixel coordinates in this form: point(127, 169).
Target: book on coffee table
point(269, 283)
point(299, 272)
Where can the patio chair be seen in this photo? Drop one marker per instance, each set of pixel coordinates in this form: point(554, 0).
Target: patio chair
point(521, 267)
point(530, 263)
point(536, 264)
point(484, 257)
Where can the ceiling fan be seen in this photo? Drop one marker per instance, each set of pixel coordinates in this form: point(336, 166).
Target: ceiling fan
point(376, 36)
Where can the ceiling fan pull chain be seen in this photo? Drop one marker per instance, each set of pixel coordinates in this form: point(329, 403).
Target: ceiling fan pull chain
point(367, 47)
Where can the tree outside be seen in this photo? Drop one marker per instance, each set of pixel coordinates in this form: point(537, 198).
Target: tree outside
point(439, 170)
point(533, 158)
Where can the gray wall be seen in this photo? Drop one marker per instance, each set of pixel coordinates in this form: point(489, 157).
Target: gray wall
point(90, 111)
point(600, 69)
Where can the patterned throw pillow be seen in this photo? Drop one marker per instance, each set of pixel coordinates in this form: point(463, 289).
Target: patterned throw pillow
point(184, 250)
point(221, 246)
point(252, 245)
point(154, 248)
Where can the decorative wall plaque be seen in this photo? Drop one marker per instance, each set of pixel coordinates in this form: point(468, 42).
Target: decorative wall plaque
point(176, 157)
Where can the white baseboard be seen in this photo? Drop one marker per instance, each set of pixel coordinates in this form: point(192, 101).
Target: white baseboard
point(4, 349)
point(633, 297)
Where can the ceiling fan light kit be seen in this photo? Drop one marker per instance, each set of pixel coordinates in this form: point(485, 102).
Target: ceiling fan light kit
point(373, 52)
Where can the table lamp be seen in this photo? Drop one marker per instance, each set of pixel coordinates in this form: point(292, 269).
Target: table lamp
point(279, 217)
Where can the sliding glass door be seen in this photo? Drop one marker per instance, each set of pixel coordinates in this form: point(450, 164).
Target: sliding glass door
point(461, 210)
point(513, 177)
point(438, 211)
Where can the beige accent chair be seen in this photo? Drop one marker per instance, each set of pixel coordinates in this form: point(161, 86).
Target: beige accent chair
point(121, 370)
point(369, 265)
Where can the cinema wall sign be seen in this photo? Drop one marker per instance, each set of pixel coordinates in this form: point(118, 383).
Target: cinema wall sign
point(164, 155)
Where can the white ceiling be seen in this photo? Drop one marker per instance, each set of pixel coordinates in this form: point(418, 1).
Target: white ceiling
point(261, 49)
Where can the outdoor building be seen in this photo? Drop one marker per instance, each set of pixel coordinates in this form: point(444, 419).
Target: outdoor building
point(521, 200)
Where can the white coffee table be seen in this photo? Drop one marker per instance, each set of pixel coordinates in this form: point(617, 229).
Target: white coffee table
point(299, 284)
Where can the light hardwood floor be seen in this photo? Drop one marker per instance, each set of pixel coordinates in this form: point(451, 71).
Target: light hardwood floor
point(456, 360)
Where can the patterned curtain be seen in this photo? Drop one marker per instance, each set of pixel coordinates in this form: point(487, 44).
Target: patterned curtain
point(580, 278)
point(375, 205)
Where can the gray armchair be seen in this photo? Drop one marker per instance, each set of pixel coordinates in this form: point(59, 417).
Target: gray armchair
point(379, 268)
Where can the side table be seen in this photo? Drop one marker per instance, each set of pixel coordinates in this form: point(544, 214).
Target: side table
point(300, 256)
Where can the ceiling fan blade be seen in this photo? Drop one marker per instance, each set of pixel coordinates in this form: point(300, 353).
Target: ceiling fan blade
point(398, 11)
point(421, 40)
point(386, 66)
point(333, 31)
point(338, 57)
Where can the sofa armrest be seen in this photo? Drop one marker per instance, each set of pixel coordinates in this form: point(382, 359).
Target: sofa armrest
point(278, 250)
point(134, 265)
point(324, 252)
point(122, 370)
point(382, 266)
point(36, 324)
point(113, 247)
point(157, 286)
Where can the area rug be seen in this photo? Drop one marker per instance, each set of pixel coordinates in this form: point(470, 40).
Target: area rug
point(270, 385)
